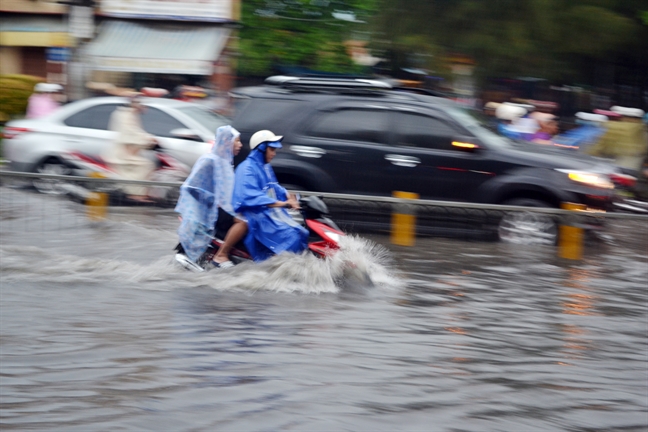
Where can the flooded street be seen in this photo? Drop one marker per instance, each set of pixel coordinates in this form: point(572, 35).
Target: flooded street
point(101, 331)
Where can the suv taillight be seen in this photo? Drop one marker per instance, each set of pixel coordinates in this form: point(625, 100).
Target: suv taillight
point(12, 132)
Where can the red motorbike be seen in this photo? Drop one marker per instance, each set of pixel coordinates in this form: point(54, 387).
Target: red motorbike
point(324, 237)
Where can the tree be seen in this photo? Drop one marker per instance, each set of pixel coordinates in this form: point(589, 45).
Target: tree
point(555, 39)
point(306, 33)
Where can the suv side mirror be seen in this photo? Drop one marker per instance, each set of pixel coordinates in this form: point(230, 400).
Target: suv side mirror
point(186, 134)
point(465, 143)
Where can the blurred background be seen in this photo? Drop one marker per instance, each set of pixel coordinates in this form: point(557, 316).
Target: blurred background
point(579, 54)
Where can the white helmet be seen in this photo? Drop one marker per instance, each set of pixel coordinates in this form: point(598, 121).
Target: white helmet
point(263, 136)
point(627, 112)
point(507, 111)
point(47, 88)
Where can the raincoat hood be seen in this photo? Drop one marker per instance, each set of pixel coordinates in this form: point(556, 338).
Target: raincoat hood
point(224, 145)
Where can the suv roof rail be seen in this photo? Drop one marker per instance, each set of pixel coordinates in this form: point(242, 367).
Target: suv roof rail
point(422, 91)
point(295, 81)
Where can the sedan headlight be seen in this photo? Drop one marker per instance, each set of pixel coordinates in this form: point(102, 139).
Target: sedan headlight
point(588, 178)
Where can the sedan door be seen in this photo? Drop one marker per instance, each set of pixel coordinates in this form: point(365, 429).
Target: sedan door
point(87, 130)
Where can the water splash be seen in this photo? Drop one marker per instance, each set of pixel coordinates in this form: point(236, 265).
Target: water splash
point(289, 273)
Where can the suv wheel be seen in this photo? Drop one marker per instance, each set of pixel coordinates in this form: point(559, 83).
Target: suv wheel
point(50, 166)
point(528, 227)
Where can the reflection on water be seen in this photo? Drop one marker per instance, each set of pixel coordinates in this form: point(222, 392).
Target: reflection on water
point(100, 331)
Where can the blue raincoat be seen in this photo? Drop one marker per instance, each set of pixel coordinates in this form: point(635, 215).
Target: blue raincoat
point(270, 230)
point(208, 187)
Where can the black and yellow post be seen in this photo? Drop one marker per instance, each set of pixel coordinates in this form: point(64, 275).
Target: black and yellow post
point(97, 202)
point(570, 240)
point(403, 222)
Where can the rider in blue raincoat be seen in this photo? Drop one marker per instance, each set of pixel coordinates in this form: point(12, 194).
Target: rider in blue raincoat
point(206, 199)
point(262, 202)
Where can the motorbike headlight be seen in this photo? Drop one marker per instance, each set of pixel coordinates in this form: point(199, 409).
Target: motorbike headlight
point(333, 235)
point(591, 179)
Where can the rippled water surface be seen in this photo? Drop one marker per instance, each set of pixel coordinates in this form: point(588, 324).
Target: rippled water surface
point(100, 331)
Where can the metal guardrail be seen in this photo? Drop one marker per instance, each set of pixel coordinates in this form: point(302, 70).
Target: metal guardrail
point(78, 179)
point(414, 203)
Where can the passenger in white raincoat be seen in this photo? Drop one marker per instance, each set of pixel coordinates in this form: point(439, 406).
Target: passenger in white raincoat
point(124, 156)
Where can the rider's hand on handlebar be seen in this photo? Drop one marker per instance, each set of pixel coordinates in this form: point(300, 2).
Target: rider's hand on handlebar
point(292, 202)
point(154, 144)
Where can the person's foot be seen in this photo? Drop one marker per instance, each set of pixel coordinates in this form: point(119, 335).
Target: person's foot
point(223, 265)
point(222, 261)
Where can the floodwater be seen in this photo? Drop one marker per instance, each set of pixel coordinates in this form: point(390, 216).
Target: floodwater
point(100, 331)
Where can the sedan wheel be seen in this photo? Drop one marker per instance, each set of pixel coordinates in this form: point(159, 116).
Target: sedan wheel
point(528, 227)
point(48, 186)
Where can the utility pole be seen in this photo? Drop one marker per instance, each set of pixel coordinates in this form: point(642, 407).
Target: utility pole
point(80, 28)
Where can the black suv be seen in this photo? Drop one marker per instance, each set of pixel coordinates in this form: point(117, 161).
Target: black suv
point(364, 137)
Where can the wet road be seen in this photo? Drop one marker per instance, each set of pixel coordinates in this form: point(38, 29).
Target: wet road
point(99, 331)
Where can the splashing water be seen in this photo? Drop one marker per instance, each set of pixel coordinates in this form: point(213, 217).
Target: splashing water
point(358, 262)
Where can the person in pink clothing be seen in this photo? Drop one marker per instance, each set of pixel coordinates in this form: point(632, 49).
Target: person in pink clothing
point(42, 102)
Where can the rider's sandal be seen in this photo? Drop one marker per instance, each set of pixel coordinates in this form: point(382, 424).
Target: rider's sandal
point(223, 265)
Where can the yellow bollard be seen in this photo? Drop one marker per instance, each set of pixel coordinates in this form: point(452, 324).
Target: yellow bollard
point(570, 240)
point(403, 224)
point(97, 202)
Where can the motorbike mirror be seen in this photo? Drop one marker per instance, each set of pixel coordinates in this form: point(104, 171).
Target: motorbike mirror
point(186, 134)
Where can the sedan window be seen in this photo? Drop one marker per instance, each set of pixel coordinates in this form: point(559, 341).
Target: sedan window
point(95, 117)
point(352, 125)
point(205, 117)
point(159, 123)
point(421, 131)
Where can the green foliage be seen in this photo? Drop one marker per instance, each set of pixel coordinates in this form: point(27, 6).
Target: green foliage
point(14, 93)
point(299, 32)
point(554, 39)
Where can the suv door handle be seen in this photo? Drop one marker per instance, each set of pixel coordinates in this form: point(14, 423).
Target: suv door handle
point(305, 151)
point(404, 161)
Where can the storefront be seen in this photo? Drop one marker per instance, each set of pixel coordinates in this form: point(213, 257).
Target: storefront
point(35, 45)
point(164, 43)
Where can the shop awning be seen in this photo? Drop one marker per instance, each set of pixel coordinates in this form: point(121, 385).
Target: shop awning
point(175, 49)
point(34, 31)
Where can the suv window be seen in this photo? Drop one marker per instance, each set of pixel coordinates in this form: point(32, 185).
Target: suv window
point(352, 125)
point(264, 114)
point(415, 130)
point(159, 123)
point(95, 117)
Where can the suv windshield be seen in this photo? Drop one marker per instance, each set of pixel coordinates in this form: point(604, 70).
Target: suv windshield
point(205, 117)
point(471, 123)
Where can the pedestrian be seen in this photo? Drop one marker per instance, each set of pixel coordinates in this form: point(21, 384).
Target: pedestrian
point(42, 101)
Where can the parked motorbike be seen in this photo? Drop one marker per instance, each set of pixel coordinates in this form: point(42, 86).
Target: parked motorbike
point(625, 185)
point(167, 169)
point(323, 242)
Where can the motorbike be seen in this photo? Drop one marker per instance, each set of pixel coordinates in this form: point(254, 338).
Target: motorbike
point(626, 202)
point(167, 169)
point(323, 242)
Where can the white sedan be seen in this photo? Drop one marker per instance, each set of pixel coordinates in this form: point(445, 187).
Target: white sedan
point(185, 130)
